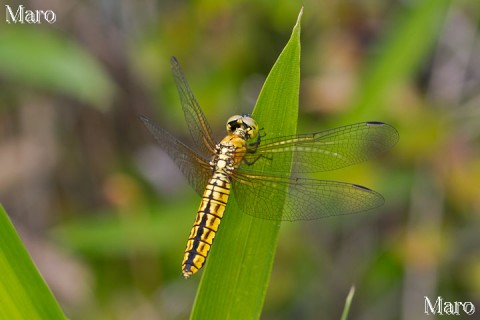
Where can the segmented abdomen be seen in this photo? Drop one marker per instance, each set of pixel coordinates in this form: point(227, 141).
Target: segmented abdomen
point(206, 223)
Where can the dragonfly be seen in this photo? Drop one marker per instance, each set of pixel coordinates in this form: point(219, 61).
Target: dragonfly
point(217, 169)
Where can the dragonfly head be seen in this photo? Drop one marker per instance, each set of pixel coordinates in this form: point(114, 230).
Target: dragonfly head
point(244, 125)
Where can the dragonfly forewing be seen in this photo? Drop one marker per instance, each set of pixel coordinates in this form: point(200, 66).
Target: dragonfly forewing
point(325, 150)
point(197, 122)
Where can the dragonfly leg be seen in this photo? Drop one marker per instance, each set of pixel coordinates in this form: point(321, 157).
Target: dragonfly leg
point(252, 147)
point(255, 159)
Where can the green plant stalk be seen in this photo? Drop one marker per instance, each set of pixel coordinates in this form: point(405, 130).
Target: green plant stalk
point(23, 292)
point(348, 303)
point(235, 279)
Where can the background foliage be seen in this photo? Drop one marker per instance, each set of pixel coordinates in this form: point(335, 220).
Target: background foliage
point(105, 214)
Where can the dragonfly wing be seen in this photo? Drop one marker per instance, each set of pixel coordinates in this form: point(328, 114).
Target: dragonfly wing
point(325, 150)
point(283, 198)
point(193, 166)
point(197, 122)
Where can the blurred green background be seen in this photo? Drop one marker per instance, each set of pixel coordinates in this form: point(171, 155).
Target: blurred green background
point(105, 214)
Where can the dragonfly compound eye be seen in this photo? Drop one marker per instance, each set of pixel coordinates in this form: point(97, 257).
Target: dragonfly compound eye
point(251, 127)
point(233, 123)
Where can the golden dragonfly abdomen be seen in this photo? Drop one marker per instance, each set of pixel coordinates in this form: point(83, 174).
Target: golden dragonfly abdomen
point(206, 224)
point(228, 156)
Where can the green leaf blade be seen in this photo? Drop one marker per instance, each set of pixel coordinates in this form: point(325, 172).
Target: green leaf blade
point(235, 279)
point(23, 292)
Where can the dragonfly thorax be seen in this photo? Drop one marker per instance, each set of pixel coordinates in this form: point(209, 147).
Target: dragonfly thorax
point(223, 159)
point(229, 153)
